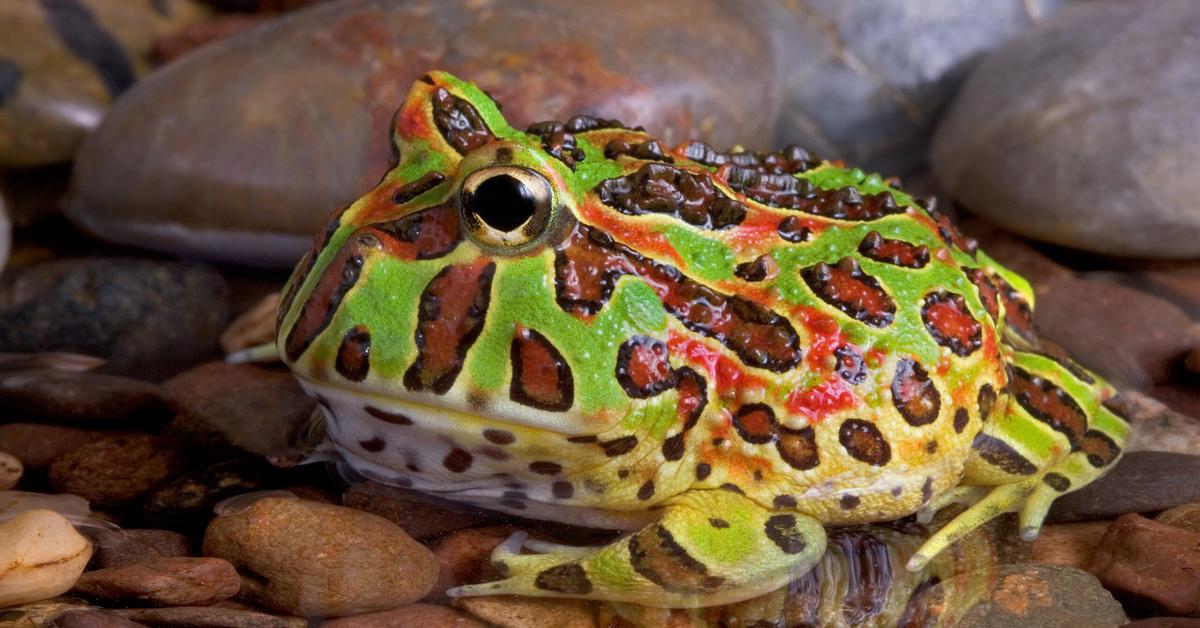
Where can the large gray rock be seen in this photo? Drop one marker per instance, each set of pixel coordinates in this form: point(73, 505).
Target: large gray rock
point(864, 80)
point(240, 150)
point(1084, 132)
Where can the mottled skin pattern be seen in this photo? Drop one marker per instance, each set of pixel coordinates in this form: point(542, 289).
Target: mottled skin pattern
point(720, 352)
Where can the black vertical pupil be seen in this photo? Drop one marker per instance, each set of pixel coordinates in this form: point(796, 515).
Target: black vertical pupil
point(503, 202)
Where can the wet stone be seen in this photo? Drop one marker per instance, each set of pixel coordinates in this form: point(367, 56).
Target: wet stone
point(37, 614)
point(1033, 595)
point(1165, 622)
point(512, 612)
point(37, 445)
point(1068, 544)
point(144, 316)
point(1131, 337)
point(1186, 516)
point(1151, 565)
point(209, 617)
point(464, 557)
point(421, 516)
point(1144, 481)
point(41, 556)
point(118, 548)
point(11, 471)
point(183, 188)
point(239, 406)
point(187, 502)
point(92, 618)
point(161, 582)
point(1111, 191)
point(117, 470)
point(362, 562)
point(412, 616)
point(81, 399)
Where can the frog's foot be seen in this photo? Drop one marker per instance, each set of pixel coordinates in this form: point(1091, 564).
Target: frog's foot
point(1058, 433)
point(710, 547)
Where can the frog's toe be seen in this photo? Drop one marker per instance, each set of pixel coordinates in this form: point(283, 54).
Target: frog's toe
point(510, 546)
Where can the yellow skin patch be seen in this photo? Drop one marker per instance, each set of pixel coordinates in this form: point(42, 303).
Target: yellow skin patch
point(719, 352)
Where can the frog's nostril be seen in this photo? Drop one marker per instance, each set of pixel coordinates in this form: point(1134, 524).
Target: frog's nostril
point(503, 202)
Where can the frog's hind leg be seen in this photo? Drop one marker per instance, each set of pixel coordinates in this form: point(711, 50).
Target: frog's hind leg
point(1058, 429)
point(710, 547)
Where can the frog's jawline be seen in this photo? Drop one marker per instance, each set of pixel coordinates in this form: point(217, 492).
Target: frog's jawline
point(425, 447)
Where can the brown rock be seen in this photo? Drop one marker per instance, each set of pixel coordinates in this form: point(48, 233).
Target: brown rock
point(1180, 285)
point(92, 618)
point(253, 327)
point(314, 559)
point(248, 407)
point(37, 445)
point(422, 517)
point(464, 558)
point(11, 471)
point(509, 611)
point(1152, 564)
point(117, 470)
point(195, 36)
point(1133, 338)
point(1182, 398)
point(1143, 481)
point(81, 399)
point(209, 617)
point(1069, 544)
point(118, 548)
point(1186, 516)
point(186, 503)
point(411, 616)
point(162, 582)
point(1164, 622)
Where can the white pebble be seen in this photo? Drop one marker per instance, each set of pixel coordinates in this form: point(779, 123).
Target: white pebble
point(41, 556)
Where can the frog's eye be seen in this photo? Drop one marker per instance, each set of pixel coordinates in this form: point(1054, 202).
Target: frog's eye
point(505, 207)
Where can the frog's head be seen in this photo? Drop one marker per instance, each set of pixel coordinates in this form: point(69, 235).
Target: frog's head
point(473, 280)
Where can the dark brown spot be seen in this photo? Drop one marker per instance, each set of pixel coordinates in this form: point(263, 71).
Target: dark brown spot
point(785, 501)
point(790, 160)
point(646, 491)
point(794, 230)
point(732, 488)
point(395, 418)
point(703, 470)
point(757, 269)
point(353, 357)
point(1100, 449)
point(951, 324)
point(1049, 404)
point(459, 122)
point(986, 401)
point(961, 418)
point(643, 367)
point(449, 319)
point(495, 453)
point(789, 192)
point(1078, 372)
point(896, 252)
point(589, 262)
point(504, 155)
point(849, 502)
point(569, 579)
point(619, 446)
point(559, 142)
point(931, 447)
point(674, 447)
point(664, 189)
point(718, 523)
point(458, 460)
point(781, 529)
point(562, 489)
point(427, 234)
point(649, 150)
point(755, 423)
point(1000, 454)
point(927, 491)
point(798, 448)
point(585, 123)
point(1018, 315)
point(509, 502)
point(499, 437)
point(413, 189)
point(693, 396)
point(325, 299)
point(622, 473)
point(914, 394)
point(849, 289)
point(1057, 481)
point(850, 364)
point(950, 233)
point(658, 557)
point(590, 438)
point(1119, 406)
point(541, 377)
point(864, 442)
point(374, 445)
point(545, 467)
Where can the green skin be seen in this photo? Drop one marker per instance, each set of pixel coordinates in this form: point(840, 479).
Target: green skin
point(508, 354)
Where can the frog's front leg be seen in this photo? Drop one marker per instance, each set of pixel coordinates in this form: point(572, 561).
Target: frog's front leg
point(710, 547)
point(1056, 434)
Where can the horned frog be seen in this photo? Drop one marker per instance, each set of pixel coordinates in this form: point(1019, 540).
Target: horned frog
point(718, 352)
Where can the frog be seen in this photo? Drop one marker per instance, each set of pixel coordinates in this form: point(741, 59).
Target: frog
point(717, 354)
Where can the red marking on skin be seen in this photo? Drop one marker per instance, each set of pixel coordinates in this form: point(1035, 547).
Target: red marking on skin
point(825, 336)
point(725, 372)
point(943, 366)
point(875, 356)
point(828, 397)
point(647, 242)
point(414, 121)
point(952, 321)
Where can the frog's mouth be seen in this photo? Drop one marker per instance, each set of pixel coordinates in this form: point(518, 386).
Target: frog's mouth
point(448, 414)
